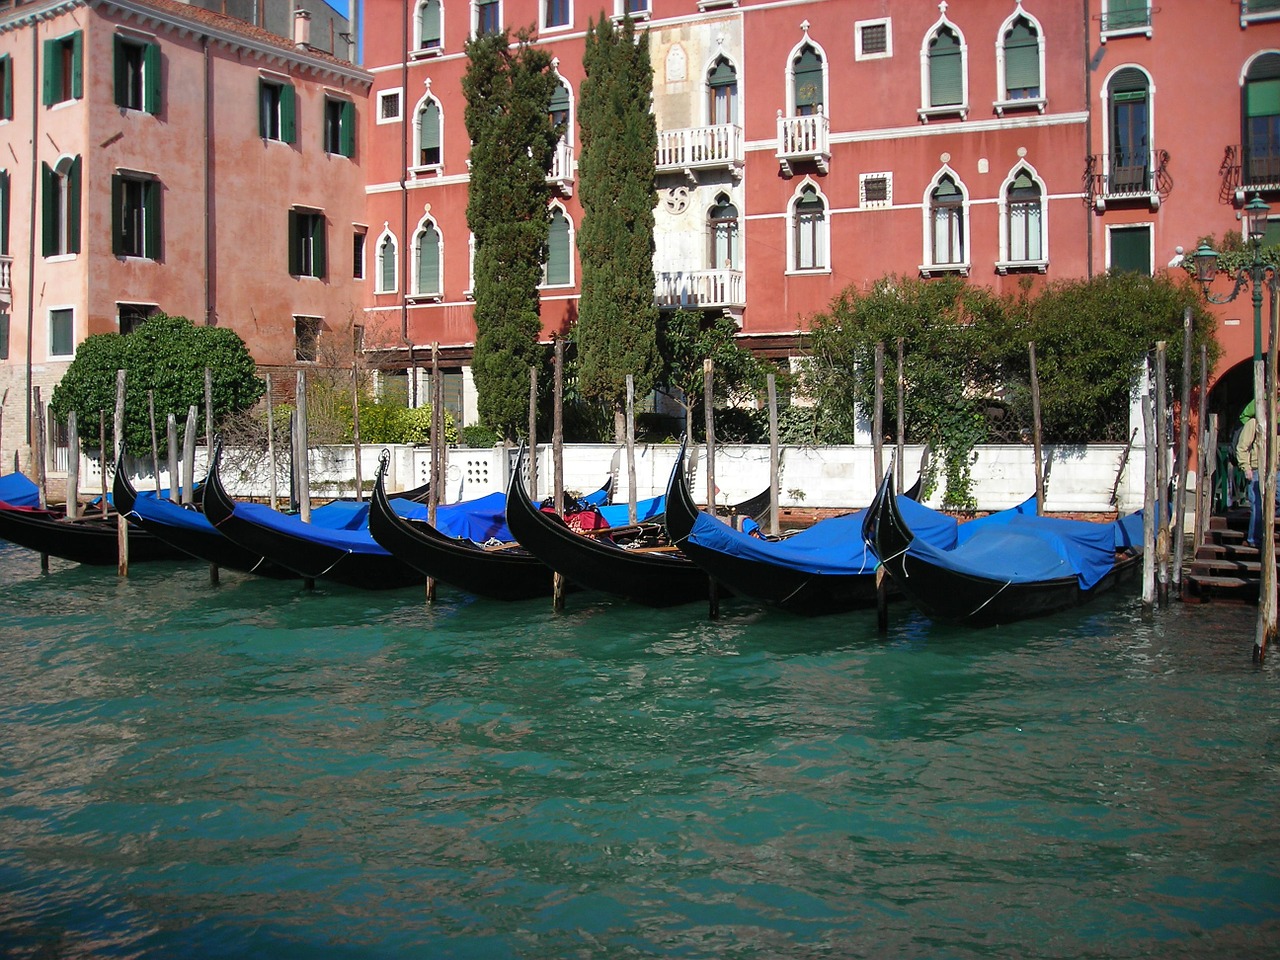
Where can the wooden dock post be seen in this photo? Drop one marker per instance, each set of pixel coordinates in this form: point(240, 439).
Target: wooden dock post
point(877, 460)
point(189, 455)
point(303, 464)
point(271, 445)
point(1266, 630)
point(1184, 442)
point(1162, 476)
point(708, 396)
point(557, 456)
point(73, 467)
point(1148, 507)
point(171, 438)
point(902, 417)
point(1036, 434)
point(775, 467)
point(631, 449)
point(39, 455)
point(155, 442)
point(122, 522)
point(437, 434)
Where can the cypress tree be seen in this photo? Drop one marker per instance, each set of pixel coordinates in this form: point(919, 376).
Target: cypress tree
point(508, 93)
point(617, 318)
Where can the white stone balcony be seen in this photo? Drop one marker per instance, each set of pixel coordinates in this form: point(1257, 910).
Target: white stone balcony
point(561, 176)
point(698, 289)
point(804, 140)
point(701, 148)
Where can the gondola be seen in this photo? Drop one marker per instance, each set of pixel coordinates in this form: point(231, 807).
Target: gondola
point(1003, 568)
point(91, 540)
point(463, 557)
point(17, 490)
point(823, 569)
point(342, 552)
point(655, 576)
point(188, 530)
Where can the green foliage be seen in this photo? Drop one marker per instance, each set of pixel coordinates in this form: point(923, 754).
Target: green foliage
point(966, 358)
point(477, 435)
point(617, 321)
point(166, 355)
point(395, 423)
point(513, 142)
point(686, 338)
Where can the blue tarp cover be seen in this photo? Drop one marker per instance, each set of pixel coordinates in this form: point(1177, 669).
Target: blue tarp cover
point(18, 491)
point(1019, 547)
point(830, 547)
point(616, 515)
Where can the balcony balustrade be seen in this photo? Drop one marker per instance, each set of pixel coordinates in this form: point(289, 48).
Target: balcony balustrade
point(561, 176)
point(1111, 178)
point(804, 139)
point(695, 289)
point(686, 151)
point(6, 279)
point(1249, 168)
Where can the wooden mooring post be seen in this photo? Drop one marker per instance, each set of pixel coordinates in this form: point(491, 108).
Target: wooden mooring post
point(122, 522)
point(708, 374)
point(1184, 443)
point(877, 460)
point(557, 457)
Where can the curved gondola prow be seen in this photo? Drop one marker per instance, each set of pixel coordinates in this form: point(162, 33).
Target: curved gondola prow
point(681, 510)
point(884, 530)
point(123, 495)
point(214, 499)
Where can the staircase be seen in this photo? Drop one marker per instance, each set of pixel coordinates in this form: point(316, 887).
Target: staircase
point(1224, 568)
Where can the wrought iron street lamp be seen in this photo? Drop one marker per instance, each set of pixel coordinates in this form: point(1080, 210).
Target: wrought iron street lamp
point(1206, 258)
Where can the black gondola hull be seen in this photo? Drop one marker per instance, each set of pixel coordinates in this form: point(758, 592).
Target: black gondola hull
point(92, 541)
point(653, 579)
point(308, 559)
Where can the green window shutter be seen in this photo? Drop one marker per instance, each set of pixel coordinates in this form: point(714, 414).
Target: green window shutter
point(1127, 13)
point(73, 204)
point(946, 78)
point(295, 245)
point(1021, 57)
point(431, 24)
point(264, 105)
point(77, 64)
point(1262, 98)
point(347, 130)
point(429, 260)
point(6, 64)
point(151, 78)
point(558, 251)
point(151, 219)
point(48, 211)
point(120, 71)
point(1128, 85)
point(723, 75)
point(807, 75)
point(117, 214)
point(288, 114)
point(4, 212)
point(4, 336)
point(319, 255)
point(559, 100)
point(52, 72)
point(1131, 250)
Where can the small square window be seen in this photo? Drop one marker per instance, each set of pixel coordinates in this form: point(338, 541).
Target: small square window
point(306, 339)
point(62, 332)
point(873, 40)
point(875, 190)
point(357, 254)
point(388, 106)
point(132, 314)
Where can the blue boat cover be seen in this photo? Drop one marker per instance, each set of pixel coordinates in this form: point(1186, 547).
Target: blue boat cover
point(18, 491)
point(1017, 546)
point(485, 519)
point(618, 514)
point(831, 547)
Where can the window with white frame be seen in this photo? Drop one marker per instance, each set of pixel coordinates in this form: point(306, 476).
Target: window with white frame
point(808, 82)
point(388, 274)
point(1261, 122)
point(135, 215)
point(872, 39)
point(306, 339)
point(1024, 219)
point(486, 17)
point(945, 68)
point(1129, 249)
point(137, 74)
point(809, 230)
point(722, 93)
point(129, 316)
point(947, 210)
point(723, 228)
point(427, 133)
point(636, 9)
point(358, 237)
point(60, 208)
point(277, 109)
point(558, 269)
point(1125, 16)
point(426, 272)
point(429, 27)
point(62, 332)
point(389, 105)
point(556, 13)
point(1021, 56)
point(875, 190)
point(307, 256)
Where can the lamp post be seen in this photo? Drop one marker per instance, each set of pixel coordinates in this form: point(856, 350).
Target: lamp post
point(1206, 258)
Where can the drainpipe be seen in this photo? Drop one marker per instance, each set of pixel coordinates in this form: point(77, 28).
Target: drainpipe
point(210, 261)
point(31, 246)
point(402, 264)
point(1088, 138)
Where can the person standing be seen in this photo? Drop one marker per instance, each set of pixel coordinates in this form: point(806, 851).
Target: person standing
point(1248, 455)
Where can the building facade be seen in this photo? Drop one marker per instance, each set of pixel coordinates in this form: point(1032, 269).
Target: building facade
point(809, 147)
point(160, 157)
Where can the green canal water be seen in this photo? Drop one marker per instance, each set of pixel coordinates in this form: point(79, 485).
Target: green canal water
point(255, 771)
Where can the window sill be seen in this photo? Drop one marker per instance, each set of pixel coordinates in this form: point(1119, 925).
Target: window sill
point(1025, 103)
point(637, 16)
point(1126, 32)
point(1264, 17)
point(425, 298)
point(555, 27)
point(426, 53)
point(927, 270)
point(306, 276)
point(556, 286)
point(468, 295)
point(60, 257)
point(1021, 266)
point(808, 271)
point(960, 110)
point(385, 293)
point(61, 357)
point(338, 153)
point(704, 5)
point(431, 170)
